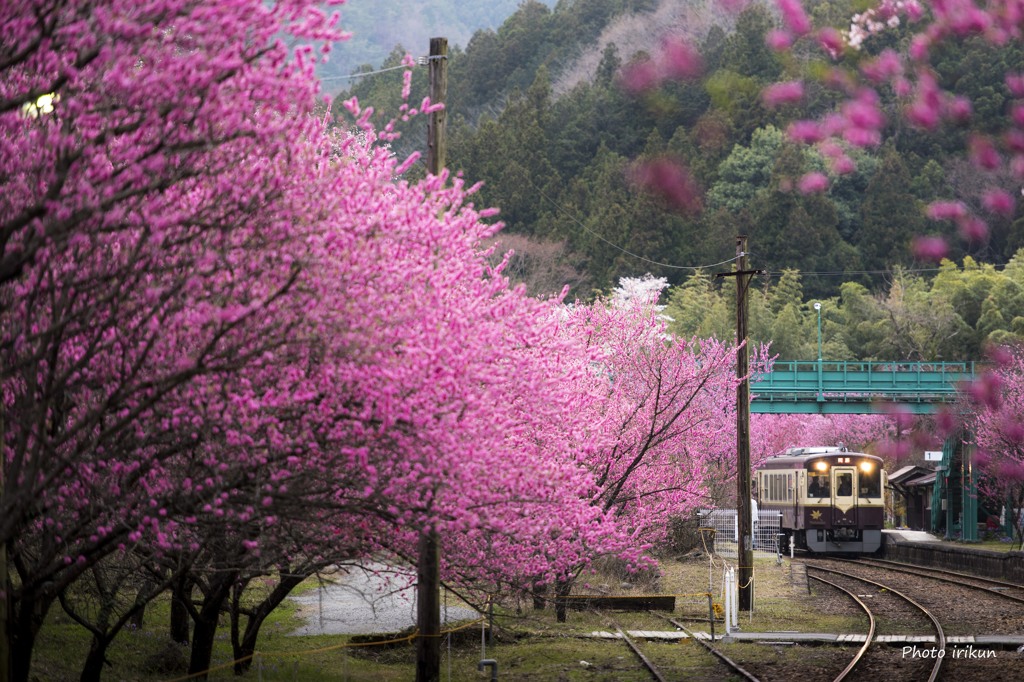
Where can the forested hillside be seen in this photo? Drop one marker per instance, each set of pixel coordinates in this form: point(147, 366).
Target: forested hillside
point(377, 27)
point(949, 314)
point(554, 150)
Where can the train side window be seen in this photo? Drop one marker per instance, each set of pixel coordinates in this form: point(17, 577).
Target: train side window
point(818, 485)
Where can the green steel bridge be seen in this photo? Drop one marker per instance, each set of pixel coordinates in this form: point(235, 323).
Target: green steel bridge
point(849, 387)
point(844, 387)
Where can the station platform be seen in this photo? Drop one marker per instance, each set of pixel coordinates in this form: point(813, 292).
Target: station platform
point(929, 551)
point(907, 535)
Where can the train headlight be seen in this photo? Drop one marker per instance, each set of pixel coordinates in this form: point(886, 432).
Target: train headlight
point(821, 466)
point(866, 467)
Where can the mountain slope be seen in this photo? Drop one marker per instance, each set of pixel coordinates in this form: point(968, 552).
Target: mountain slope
point(378, 26)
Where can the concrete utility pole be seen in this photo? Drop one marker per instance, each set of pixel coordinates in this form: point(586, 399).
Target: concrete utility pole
point(743, 508)
point(428, 569)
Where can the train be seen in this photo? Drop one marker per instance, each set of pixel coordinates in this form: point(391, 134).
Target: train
point(831, 500)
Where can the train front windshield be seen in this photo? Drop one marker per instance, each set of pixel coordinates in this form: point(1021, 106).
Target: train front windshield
point(870, 478)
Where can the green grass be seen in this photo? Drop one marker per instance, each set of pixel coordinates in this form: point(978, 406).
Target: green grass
point(529, 644)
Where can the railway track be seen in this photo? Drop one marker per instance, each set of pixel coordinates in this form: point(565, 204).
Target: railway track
point(656, 673)
point(999, 588)
point(646, 662)
point(882, 601)
point(868, 639)
point(728, 662)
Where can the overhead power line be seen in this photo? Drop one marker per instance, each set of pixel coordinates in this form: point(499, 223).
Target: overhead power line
point(420, 61)
point(573, 218)
point(364, 73)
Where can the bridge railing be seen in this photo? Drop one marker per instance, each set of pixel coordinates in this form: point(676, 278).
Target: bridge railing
point(855, 379)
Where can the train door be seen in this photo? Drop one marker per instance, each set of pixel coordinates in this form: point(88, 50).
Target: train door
point(844, 488)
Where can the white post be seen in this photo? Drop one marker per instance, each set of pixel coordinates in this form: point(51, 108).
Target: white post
point(735, 600)
point(728, 601)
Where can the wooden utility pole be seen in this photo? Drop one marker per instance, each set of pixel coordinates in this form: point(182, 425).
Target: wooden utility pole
point(428, 569)
point(744, 520)
point(6, 671)
point(437, 141)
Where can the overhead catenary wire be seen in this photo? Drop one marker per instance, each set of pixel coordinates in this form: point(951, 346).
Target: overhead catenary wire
point(573, 218)
point(847, 273)
point(364, 73)
point(420, 61)
point(769, 273)
point(834, 273)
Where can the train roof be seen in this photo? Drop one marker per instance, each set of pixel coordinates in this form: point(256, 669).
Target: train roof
point(799, 456)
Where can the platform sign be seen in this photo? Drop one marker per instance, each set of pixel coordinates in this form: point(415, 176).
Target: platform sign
point(933, 455)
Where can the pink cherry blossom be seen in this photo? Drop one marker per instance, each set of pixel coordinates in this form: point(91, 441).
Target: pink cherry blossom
point(670, 180)
point(998, 201)
point(946, 210)
point(929, 248)
point(679, 60)
point(778, 40)
point(778, 94)
point(813, 183)
point(794, 17)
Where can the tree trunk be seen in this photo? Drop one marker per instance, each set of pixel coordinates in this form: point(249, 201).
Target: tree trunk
point(138, 619)
point(179, 611)
point(141, 599)
point(20, 648)
point(93, 667)
point(206, 624)
point(562, 589)
point(28, 615)
point(428, 609)
point(539, 593)
point(245, 647)
point(202, 647)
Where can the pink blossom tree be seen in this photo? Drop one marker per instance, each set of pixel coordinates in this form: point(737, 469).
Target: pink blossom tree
point(219, 322)
point(660, 409)
point(150, 197)
point(668, 406)
point(773, 433)
point(994, 405)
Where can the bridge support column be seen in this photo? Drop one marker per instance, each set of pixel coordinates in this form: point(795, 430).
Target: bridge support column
point(956, 489)
point(942, 506)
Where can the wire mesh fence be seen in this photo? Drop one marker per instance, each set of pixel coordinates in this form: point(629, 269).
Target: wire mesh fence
point(725, 526)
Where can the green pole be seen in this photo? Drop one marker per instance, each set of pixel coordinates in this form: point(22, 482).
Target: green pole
point(970, 497)
point(821, 393)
